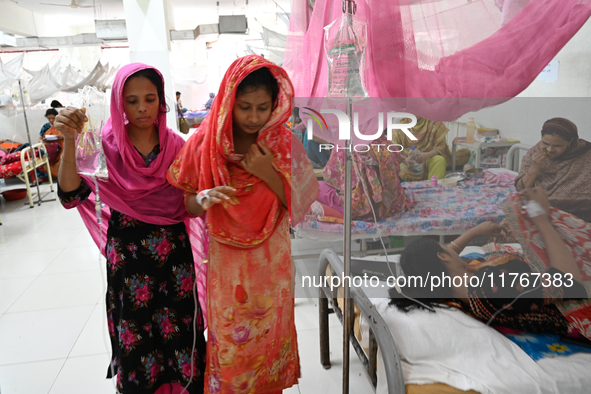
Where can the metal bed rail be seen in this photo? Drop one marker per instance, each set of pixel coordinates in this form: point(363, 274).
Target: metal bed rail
point(29, 166)
point(379, 333)
point(365, 251)
point(513, 156)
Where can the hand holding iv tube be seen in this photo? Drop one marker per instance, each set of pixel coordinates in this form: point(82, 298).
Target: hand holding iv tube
point(90, 157)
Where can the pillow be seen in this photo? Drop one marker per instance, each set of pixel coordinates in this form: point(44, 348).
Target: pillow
point(453, 348)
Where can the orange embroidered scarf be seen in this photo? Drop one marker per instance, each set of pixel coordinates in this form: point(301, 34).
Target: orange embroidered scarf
point(208, 160)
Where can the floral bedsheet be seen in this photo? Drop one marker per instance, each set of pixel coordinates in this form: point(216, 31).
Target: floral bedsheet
point(438, 211)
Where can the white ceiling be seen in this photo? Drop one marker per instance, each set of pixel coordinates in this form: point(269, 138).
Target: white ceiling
point(184, 11)
point(102, 9)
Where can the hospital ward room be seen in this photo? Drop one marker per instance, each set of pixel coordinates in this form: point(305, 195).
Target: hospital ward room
point(295, 196)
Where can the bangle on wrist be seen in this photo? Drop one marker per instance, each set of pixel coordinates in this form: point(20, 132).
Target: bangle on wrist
point(456, 245)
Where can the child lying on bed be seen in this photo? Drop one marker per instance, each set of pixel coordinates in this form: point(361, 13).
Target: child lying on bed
point(491, 294)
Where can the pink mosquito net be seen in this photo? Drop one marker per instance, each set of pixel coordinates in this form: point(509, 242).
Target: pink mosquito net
point(448, 57)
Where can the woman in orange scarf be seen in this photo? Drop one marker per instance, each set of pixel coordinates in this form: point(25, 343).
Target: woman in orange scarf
point(54, 146)
point(244, 168)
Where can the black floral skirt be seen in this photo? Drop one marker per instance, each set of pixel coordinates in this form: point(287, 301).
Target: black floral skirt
point(152, 307)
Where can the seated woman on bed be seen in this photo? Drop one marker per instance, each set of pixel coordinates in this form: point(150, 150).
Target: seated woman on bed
point(435, 154)
point(377, 178)
point(50, 114)
point(560, 164)
point(534, 311)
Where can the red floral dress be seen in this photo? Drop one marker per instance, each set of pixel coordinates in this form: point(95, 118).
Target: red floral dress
point(150, 302)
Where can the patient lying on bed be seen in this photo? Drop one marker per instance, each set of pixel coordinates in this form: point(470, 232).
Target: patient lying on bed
point(449, 351)
point(493, 296)
point(10, 163)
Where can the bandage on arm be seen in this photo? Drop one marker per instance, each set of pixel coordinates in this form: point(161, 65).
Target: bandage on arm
point(202, 197)
point(193, 206)
point(533, 209)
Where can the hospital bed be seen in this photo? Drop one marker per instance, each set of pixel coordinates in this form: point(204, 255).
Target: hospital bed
point(444, 352)
point(28, 167)
point(195, 117)
point(439, 211)
point(514, 156)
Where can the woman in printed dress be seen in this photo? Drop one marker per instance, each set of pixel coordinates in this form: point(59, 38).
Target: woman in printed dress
point(154, 318)
point(244, 168)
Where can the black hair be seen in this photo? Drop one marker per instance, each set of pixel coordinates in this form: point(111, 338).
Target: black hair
point(55, 104)
point(178, 93)
point(51, 111)
point(261, 77)
point(419, 259)
point(152, 75)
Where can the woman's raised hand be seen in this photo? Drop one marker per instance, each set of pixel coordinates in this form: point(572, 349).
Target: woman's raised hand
point(70, 122)
point(539, 159)
point(258, 161)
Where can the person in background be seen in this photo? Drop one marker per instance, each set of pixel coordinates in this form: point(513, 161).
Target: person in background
point(50, 114)
point(501, 305)
point(435, 153)
point(318, 157)
point(210, 101)
point(179, 104)
point(294, 119)
point(54, 147)
point(561, 164)
point(56, 104)
point(11, 165)
point(376, 186)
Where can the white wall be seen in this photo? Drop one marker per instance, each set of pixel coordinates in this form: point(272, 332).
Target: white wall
point(574, 73)
point(13, 127)
point(522, 117)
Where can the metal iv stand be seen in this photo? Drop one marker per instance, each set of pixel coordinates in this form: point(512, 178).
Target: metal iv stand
point(349, 7)
point(33, 159)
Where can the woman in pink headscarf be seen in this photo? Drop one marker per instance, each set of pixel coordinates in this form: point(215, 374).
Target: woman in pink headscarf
point(154, 318)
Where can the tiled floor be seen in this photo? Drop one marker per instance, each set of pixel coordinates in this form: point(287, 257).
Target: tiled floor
point(53, 335)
